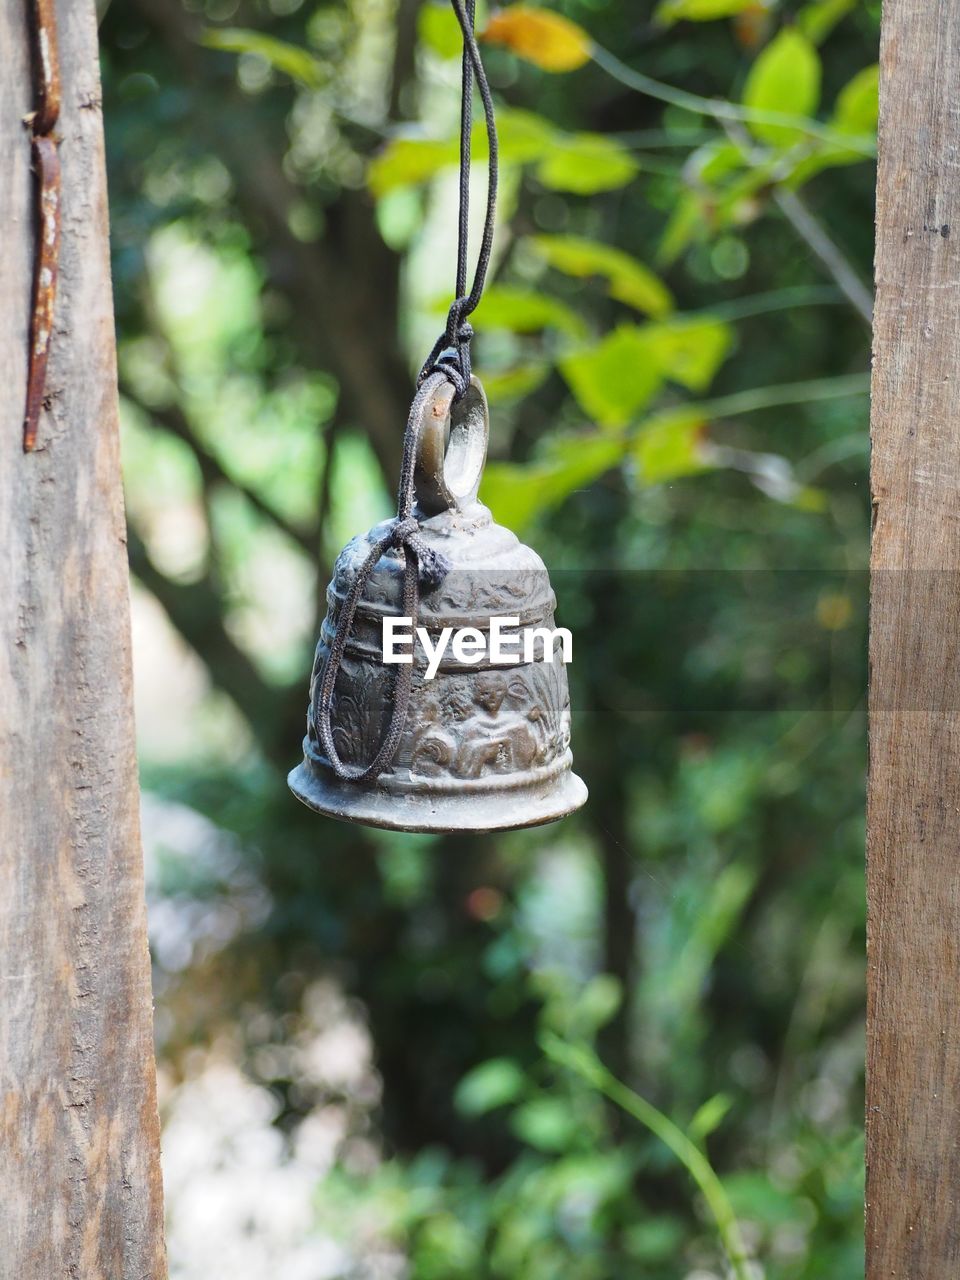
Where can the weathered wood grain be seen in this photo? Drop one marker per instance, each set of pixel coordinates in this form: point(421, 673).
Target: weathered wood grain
point(913, 1050)
point(79, 1140)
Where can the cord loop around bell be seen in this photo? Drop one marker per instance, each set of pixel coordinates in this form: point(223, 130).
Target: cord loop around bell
point(423, 566)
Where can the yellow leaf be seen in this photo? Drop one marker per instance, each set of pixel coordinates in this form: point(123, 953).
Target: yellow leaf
point(834, 611)
point(548, 40)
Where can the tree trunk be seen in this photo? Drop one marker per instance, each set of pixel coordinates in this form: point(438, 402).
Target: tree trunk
point(78, 1117)
point(913, 1052)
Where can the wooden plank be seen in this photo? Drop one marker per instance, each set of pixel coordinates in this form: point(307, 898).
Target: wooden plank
point(79, 1140)
point(913, 842)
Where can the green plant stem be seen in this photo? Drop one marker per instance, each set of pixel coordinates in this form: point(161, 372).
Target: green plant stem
point(719, 109)
point(662, 138)
point(810, 231)
point(582, 1061)
point(759, 304)
point(835, 261)
point(851, 384)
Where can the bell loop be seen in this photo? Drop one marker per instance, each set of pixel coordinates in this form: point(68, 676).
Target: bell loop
point(451, 449)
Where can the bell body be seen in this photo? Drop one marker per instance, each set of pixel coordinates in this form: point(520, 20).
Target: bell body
point(484, 747)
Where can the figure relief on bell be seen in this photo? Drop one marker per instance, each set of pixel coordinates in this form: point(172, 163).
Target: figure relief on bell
point(491, 723)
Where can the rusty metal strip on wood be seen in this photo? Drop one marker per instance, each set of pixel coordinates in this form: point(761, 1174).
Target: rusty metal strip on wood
point(46, 164)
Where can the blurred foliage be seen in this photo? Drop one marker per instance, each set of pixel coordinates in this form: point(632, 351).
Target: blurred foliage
point(629, 1045)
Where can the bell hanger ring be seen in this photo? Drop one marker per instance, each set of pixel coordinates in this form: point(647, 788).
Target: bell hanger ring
point(452, 438)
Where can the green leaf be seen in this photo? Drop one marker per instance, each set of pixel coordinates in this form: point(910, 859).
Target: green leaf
point(512, 384)
point(627, 279)
point(517, 494)
point(855, 114)
point(299, 64)
point(521, 310)
point(818, 19)
point(546, 1123)
point(399, 215)
point(523, 136)
point(689, 351)
point(658, 1239)
point(816, 501)
point(785, 78)
point(490, 1085)
point(667, 446)
point(687, 222)
point(597, 1003)
point(670, 11)
point(405, 162)
point(709, 1117)
point(754, 1196)
point(439, 30)
point(714, 161)
point(858, 103)
point(614, 379)
point(584, 163)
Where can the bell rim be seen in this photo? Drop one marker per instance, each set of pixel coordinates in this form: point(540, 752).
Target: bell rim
point(399, 784)
point(436, 812)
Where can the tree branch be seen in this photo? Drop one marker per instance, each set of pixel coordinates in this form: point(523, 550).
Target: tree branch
point(404, 56)
point(344, 288)
point(196, 611)
point(173, 419)
point(810, 231)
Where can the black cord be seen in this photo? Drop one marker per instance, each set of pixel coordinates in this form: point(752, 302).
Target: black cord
point(466, 139)
point(451, 351)
point(450, 360)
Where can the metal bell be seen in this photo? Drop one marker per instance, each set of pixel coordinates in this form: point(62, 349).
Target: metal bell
point(481, 747)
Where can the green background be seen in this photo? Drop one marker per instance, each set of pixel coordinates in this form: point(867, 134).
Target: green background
point(630, 1045)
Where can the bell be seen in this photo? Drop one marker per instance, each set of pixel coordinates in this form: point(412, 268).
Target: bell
point(473, 744)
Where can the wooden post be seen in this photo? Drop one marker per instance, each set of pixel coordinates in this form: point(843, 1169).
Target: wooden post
point(80, 1188)
point(913, 844)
